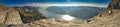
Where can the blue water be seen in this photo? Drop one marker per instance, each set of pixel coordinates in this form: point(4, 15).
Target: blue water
point(80, 12)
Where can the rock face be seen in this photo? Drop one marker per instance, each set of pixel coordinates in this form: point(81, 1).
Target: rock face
point(9, 16)
point(19, 15)
point(115, 4)
point(113, 7)
point(29, 14)
point(13, 17)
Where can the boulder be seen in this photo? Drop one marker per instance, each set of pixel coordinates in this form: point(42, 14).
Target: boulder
point(9, 16)
point(13, 17)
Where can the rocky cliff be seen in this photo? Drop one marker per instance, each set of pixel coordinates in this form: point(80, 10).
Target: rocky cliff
point(19, 15)
point(29, 14)
point(9, 16)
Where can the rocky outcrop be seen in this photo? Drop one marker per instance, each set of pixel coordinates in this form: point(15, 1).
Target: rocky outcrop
point(13, 17)
point(29, 14)
point(115, 4)
point(19, 15)
point(9, 16)
point(113, 8)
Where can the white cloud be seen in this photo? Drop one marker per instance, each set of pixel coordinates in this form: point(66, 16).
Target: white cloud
point(64, 4)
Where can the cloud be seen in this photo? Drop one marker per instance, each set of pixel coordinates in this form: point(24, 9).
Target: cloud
point(64, 4)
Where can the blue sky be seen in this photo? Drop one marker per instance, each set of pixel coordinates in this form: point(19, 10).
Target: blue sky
point(17, 2)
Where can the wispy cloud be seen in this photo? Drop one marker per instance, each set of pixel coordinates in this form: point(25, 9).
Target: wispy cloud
point(64, 4)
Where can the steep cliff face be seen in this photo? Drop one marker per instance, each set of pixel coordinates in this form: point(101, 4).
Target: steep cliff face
point(29, 14)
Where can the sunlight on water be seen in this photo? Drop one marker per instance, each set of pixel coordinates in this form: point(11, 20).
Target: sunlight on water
point(67, 17)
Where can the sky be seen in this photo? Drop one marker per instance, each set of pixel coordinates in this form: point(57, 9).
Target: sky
point(18, 2)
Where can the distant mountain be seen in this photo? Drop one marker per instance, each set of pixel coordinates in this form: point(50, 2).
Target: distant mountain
point(68, 9)
point(26, 7)
point(81, 12)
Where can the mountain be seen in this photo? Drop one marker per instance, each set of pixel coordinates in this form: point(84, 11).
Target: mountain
point(113, 8)
point(115, 4)
point(29, 13)
point(80, 12)
point(19, 15)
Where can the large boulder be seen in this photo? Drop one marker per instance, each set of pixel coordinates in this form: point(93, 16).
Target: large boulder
point(13, 17)
point(9, 16)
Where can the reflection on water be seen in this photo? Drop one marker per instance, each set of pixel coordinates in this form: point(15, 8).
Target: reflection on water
point(67, 17)
point(78, 12)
